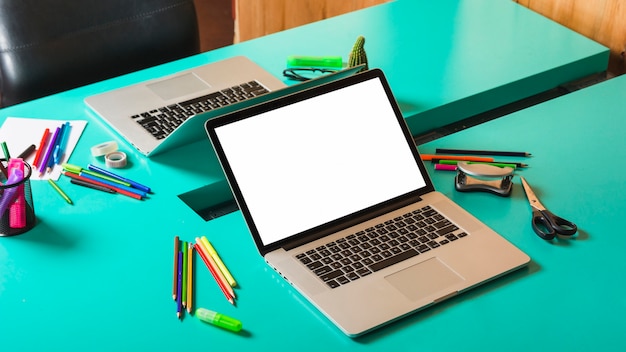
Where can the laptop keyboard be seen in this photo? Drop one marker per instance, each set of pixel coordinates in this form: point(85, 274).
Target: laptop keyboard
point(162, 121)
point(360, 254)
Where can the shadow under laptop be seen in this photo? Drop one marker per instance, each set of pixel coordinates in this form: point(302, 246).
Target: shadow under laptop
point(211, 199)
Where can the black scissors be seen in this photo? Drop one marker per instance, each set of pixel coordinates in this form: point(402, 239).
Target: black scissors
point(546, 224)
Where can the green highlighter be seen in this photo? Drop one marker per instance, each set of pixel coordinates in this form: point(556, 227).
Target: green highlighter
point(221, 320)
point(314, 61)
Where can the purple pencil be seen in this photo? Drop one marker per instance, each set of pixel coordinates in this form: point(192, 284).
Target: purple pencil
point(179, 294)
point(46, 158)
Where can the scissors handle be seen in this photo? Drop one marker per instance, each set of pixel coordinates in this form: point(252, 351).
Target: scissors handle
point(547, 225)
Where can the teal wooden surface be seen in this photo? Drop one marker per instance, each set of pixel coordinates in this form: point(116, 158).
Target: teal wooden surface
point(97, 275)
point(572, 295)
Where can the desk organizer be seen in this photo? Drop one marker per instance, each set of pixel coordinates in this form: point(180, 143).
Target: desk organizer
point(17, 213)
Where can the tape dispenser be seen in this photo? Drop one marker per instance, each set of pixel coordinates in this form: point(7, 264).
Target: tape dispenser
point(476, 177)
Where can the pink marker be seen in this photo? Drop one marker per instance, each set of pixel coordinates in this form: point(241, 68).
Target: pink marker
point(445, 167)
point(17, 210)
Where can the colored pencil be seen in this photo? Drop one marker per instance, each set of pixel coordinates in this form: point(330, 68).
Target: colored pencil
point(92, 186)
point(59, 191)
point(190, 278)
point(179, 305)
point(218, 261)
point(428, 157)
point(205, 258)
point(118, 190)
point(184, 249)
point(175, 281)
point(219, 273)
point(480, 152)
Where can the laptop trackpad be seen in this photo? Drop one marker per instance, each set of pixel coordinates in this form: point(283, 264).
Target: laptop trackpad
point(178, 86)
point(424, 279)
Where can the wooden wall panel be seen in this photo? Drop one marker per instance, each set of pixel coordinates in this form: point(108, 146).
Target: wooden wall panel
point(601, 20)
point(255, 18)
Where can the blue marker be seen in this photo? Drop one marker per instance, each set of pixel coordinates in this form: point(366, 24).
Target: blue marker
point(118, 177)
point(59, 149)
point(113, 184)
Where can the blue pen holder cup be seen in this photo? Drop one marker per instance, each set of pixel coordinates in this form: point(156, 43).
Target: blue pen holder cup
point(16, 203)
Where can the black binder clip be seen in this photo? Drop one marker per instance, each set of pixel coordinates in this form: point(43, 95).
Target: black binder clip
point(476, 177)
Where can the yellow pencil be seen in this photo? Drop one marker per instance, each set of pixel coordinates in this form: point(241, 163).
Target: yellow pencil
point(60, 191)
point(218, 272)
point(189, 277)
point(218, 261)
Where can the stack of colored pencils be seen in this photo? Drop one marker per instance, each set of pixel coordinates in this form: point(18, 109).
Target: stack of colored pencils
point(182, 291)
point(182, 287)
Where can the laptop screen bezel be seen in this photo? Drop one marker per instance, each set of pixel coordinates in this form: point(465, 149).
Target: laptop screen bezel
point(212, 124)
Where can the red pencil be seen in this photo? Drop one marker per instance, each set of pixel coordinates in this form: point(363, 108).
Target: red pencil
point(42, 146)
point(88, 180)
point(203, 255)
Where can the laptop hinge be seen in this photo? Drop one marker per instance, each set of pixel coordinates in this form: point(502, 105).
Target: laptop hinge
point(349, 221)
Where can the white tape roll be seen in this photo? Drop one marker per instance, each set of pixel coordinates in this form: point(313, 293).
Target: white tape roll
point(104, 148)
point(115, 159)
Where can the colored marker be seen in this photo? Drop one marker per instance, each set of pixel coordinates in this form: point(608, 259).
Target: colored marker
point(17, 210)
point(114, 185)
point(110, 174)
point(98, 183)
point(42, 146)
point(5, 149)
point(445, 167)
point(77, 170)
point(59, 149)
point(217, 319)
point(27, 152)
point(46, 158)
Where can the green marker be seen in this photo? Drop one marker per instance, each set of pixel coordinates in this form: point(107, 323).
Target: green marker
point(77, 170)
point(314, 61)
point(221, 320)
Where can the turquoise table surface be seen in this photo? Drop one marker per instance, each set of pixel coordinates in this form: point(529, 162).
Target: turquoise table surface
point(97, 275)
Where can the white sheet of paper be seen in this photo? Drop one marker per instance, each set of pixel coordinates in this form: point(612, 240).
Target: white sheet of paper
point(21, 132)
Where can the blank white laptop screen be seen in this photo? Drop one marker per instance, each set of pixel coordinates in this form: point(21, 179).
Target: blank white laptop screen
point(291, 182)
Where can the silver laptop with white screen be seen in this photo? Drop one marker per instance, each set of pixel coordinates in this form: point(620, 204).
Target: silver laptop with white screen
point(338, 201)
point(167, 112)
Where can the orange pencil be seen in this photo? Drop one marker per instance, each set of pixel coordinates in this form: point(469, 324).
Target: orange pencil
point(189, 277)
point(426, 157)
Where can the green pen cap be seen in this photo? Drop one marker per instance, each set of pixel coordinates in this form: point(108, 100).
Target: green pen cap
point(314, 61)
point(72, 168)
point(221, 320)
